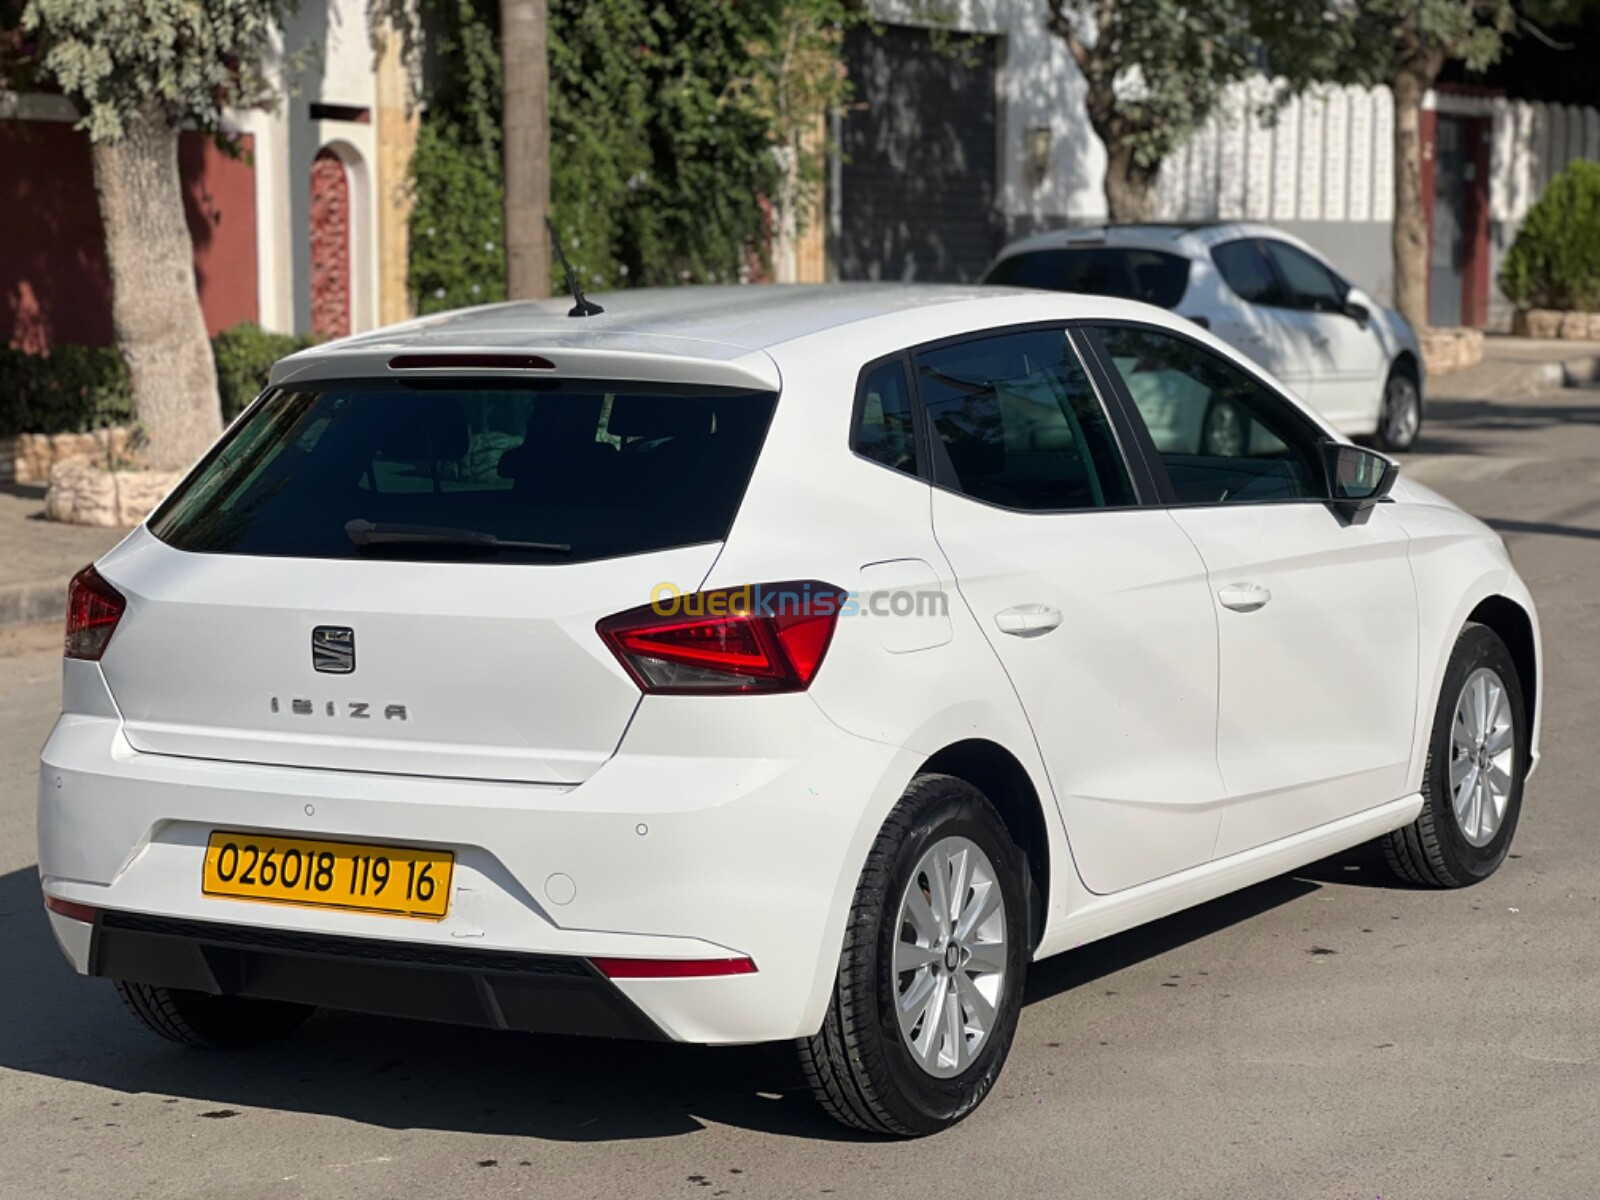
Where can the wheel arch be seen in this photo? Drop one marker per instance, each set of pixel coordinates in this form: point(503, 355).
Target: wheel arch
point(1405, 363)
point(999, 775)
point(1514, 626)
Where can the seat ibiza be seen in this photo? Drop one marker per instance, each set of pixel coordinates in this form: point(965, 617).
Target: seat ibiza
point(759, 664)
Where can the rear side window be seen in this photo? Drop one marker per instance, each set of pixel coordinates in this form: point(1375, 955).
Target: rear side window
point(1152, 276)
point(883, 430)
point(1021, 424)
point(583, 470)
point(1244, 269)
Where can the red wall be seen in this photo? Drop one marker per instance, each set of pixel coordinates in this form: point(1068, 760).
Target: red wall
point(54, 285)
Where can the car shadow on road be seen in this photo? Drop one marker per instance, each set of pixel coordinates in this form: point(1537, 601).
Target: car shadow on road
point(413, 1075)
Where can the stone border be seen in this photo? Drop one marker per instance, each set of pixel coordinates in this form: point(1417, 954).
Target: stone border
point(31, 603)
point(1446, 350)
point(1551, 323)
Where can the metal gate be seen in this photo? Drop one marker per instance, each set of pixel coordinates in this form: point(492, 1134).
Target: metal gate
point(916, 196)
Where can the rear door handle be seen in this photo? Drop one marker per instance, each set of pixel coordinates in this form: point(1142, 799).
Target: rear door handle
point(1244, 597)
point(1028, 620)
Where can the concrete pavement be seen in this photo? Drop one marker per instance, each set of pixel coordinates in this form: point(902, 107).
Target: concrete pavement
point(1326, 1034)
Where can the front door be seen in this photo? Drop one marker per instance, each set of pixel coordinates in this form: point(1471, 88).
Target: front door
point(1316, 618)
point(1348, 363)
point(1098, 609)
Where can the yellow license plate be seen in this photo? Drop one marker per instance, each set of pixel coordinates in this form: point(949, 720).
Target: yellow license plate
point(350, 875)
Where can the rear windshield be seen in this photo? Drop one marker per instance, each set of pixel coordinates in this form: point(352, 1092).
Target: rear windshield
point(581, 470)
point(1153, 276)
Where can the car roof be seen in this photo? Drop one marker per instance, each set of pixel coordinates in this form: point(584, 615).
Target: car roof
point(1184, 237)
point(710, 335)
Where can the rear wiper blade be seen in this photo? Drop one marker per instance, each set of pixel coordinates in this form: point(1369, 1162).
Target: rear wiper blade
point(372, 533)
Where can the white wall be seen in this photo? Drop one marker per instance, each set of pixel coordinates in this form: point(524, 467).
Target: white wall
point(325, 57)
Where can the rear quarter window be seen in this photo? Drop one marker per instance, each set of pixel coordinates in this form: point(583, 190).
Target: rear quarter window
point(601, 470)
point(1150, 276)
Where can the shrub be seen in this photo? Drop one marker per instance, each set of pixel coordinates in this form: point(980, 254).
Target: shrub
point(74, 389)
point(1555, 261)
point(71, 390)
point(245, 353)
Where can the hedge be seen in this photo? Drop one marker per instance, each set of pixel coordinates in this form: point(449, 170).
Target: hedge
point(1555, 261)
point(77, 388)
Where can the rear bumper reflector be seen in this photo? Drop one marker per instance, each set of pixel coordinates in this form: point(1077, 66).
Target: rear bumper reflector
point(672, 968)
point(71, 910)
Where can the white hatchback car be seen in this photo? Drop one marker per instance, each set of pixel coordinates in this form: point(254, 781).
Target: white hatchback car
point(754, 664)
point(1262, 291)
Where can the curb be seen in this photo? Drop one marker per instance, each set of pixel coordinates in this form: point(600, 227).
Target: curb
point(31, 603)
point(1575, 372)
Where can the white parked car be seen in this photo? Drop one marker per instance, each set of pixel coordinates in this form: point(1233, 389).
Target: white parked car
point(754, 664)
point(1263, 292)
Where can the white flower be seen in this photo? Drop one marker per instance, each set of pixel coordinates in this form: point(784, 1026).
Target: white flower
point(488, 245)
point(439, 292)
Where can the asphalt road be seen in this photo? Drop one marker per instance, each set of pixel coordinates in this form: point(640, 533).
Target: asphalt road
point(1326, 1034)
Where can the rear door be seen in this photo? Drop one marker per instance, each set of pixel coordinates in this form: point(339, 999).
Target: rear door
point(373, 577)
point(1097, 608)
point(1317, 618)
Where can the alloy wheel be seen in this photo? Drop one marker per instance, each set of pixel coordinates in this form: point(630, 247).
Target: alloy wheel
point(1482, 756)
point(1402, 414)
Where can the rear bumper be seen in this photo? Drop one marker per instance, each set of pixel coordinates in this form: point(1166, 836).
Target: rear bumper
point(530, 992)
point(663, 853)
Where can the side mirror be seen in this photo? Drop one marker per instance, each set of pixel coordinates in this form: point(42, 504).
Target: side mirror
point(1357, 312)
point(1357, 479)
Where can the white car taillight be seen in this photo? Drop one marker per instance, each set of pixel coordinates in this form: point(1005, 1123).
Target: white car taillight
point(93, 609)
point(767, 638)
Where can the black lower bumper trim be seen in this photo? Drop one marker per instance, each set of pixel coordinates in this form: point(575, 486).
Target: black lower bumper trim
point(538, 993)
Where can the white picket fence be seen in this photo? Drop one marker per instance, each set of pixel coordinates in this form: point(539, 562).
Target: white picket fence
point(1329, 156)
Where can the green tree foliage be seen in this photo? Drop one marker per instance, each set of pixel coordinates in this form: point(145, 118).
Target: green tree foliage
point(188, 60)
point(656, 169)
point(1555, 261)
point(1155, 70)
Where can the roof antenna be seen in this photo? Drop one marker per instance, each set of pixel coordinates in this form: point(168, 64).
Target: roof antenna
point(582, 307)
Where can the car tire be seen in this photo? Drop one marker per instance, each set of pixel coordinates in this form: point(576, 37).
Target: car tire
point(1470, 810)
point(864, 1065)
point(1401, 419)
point(212, 1022)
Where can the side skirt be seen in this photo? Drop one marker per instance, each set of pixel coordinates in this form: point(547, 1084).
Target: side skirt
point(1103, 916)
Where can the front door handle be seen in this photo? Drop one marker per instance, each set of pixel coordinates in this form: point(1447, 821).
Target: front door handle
point(1028, 620)
point(1244, 597)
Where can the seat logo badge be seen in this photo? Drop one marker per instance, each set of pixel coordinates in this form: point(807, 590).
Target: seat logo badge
point(333, 649)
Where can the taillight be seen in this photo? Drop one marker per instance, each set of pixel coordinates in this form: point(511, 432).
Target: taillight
point(762, 638)
point(93, 609)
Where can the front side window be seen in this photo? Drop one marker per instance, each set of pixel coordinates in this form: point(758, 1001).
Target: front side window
point(565, 472)
point(1021, 424)
point(1311, 286)
point(883, 430)
point(1222, 436)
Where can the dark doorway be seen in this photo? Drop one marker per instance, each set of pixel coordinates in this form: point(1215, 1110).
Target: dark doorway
point(1458, 250)
point(917, 182)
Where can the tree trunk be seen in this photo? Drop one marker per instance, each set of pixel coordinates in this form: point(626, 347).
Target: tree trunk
point(524, 26)
point(155, 306)
point(1410, 234)
point(1130, 188)
point(786, 217)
